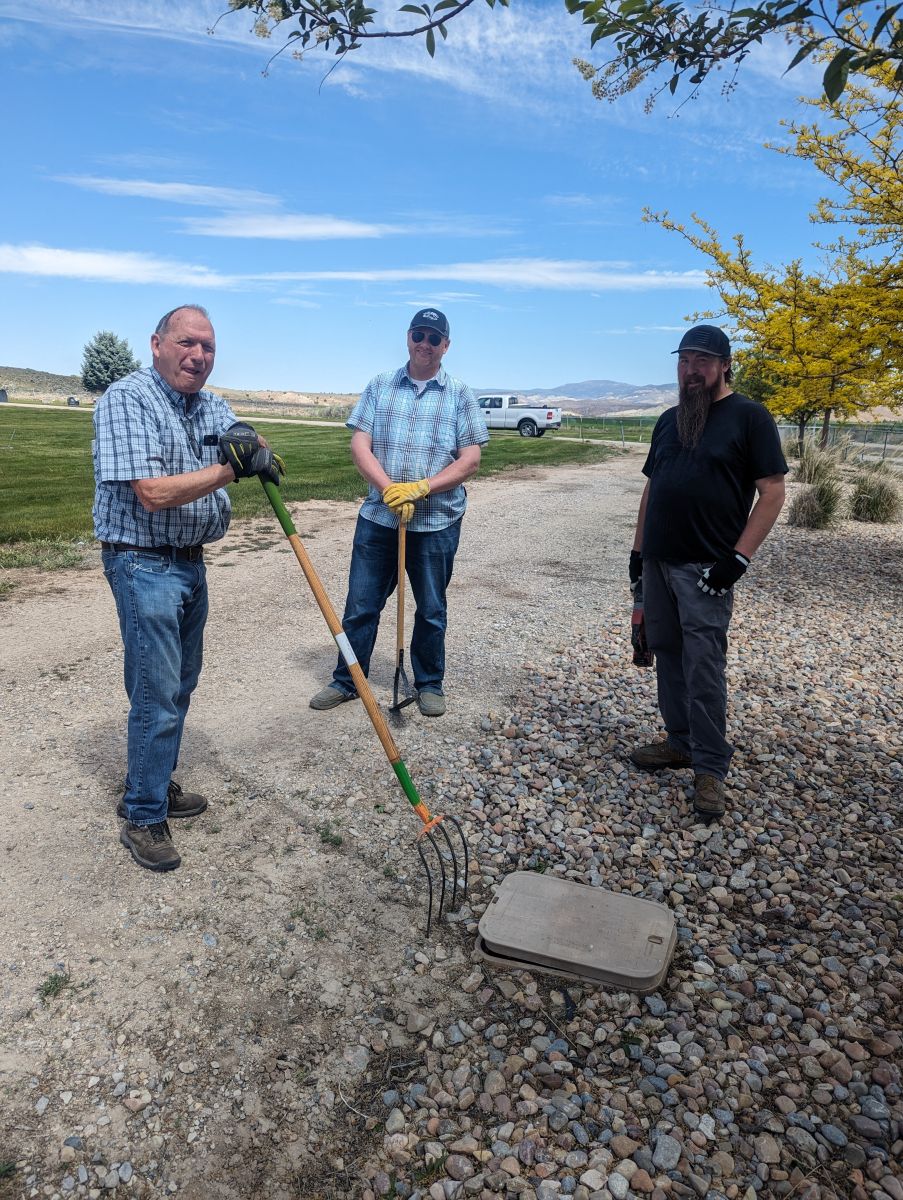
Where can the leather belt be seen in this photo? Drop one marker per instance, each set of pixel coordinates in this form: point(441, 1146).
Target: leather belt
point(179, 553)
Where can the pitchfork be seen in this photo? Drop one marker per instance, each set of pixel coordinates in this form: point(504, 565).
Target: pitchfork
point(432, 824)
point(402, 692)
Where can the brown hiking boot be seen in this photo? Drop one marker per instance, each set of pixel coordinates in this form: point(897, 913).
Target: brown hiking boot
point(151, 846)
point(178, 803)
point(709, 797)
point(658, 755)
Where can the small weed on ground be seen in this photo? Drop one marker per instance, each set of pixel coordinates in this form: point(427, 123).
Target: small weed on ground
point(328, 835)
point(431, 1171)
point(53, 985)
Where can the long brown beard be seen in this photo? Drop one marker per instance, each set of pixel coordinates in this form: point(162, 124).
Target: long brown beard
point(694, 402)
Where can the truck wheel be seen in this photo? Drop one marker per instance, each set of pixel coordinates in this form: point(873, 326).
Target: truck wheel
point(527, 429)
point(540, 433)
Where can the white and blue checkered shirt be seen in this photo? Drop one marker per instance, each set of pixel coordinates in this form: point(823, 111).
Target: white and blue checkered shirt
point(415, 437)
point(144, 429)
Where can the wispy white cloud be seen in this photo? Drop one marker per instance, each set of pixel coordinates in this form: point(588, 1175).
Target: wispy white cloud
point(253, 214)
point(287, 227)
point(104, 266)
point(580, 200)
point(489, 52)
point(541, 273)
point(174, 193)
point(163, 19)
point(517, 274)
point(296, 302)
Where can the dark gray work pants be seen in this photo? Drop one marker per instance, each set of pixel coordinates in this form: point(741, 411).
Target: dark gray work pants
point(687, 629)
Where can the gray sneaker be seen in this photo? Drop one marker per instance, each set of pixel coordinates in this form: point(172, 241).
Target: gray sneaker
point(330, 697)
point(431, 704)
point(658, 755)
point(151, 846)
point(178, 803)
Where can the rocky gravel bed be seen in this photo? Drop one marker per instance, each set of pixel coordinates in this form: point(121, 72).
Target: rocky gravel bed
point(769, 1063)
point(269, 1021)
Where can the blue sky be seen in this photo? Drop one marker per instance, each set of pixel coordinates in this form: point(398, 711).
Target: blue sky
point(148, 164)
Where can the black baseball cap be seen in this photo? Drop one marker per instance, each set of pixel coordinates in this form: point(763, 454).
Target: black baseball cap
point(430, 318)
point(708, 339)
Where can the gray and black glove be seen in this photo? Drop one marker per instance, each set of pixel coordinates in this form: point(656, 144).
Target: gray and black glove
point(267, 465)
point(720, 577)
point(636, 568)
point(237, 447)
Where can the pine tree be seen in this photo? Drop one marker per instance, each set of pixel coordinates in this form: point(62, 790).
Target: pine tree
point(107, 358)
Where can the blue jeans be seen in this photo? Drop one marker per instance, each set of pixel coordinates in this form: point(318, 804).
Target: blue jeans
point(162, 608)
point(429, 559)
point(687, 629)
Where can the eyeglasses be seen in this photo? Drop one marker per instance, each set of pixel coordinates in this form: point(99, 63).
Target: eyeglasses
point(434, 339)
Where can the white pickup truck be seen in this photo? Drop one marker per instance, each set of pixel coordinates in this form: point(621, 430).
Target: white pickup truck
point(510, 412)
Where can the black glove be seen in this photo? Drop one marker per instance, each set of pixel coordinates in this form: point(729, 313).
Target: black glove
point(237, 447)
point(267, 465)
point(720, 577)
point(636, 568)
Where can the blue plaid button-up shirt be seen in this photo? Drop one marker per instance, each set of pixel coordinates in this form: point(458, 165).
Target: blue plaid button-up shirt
point(143, 429)
point(416, 437)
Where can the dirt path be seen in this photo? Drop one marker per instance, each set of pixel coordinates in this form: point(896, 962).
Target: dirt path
point(210, 1024)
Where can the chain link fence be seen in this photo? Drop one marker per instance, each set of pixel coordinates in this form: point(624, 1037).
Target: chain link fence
point(855, 443)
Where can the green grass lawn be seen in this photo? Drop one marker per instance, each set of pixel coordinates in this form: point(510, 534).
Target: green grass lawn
point(47, 481)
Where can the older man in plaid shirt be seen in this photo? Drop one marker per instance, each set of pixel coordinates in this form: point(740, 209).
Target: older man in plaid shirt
point(417, 438)
point(164, 450)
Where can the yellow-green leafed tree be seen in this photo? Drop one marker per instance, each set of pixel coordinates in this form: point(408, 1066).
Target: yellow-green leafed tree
point(860, 150)
point(815, 343)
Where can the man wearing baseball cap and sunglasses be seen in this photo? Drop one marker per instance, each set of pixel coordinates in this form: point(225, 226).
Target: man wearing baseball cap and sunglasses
point(697, 530)
point(417, 434)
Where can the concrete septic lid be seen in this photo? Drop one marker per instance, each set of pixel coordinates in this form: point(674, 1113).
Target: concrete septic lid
point(539, 922)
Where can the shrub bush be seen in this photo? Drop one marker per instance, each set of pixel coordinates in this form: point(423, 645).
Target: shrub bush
point(817, 506)
point(815, 465)
point(790, 447)
point(875, 497)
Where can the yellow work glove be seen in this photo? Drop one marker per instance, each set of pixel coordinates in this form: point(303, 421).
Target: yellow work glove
point(404, 512)
point(397, 494)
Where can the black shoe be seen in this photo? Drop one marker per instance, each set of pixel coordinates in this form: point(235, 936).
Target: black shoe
point(151, 846)
point(179, 803)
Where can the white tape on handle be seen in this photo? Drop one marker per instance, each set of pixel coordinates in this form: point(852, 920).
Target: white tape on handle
point(344, 646)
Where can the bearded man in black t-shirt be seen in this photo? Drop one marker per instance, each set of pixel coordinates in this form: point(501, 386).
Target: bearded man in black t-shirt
point(698, 527)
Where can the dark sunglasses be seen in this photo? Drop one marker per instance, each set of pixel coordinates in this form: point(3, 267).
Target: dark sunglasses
point(434, 339)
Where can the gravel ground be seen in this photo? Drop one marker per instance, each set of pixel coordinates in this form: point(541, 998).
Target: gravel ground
point(269, 1021)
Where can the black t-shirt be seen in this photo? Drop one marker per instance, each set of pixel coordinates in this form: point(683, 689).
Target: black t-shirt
point(699, 500)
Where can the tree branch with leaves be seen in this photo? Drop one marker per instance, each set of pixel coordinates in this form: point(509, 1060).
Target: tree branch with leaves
point(663, 46)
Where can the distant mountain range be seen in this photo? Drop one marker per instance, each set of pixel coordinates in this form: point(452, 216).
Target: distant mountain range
point(591, 398)
point(598, 397)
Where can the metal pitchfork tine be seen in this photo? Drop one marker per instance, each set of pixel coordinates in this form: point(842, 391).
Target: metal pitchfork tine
point(445, 854)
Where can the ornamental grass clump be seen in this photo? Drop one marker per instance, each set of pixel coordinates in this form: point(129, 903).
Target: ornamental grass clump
point(790, 447)
point(816, 507)
point(875, 496)
point(815, 465)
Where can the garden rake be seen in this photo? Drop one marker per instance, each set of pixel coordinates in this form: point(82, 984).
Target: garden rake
point(402, 692)
point(444, 851)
